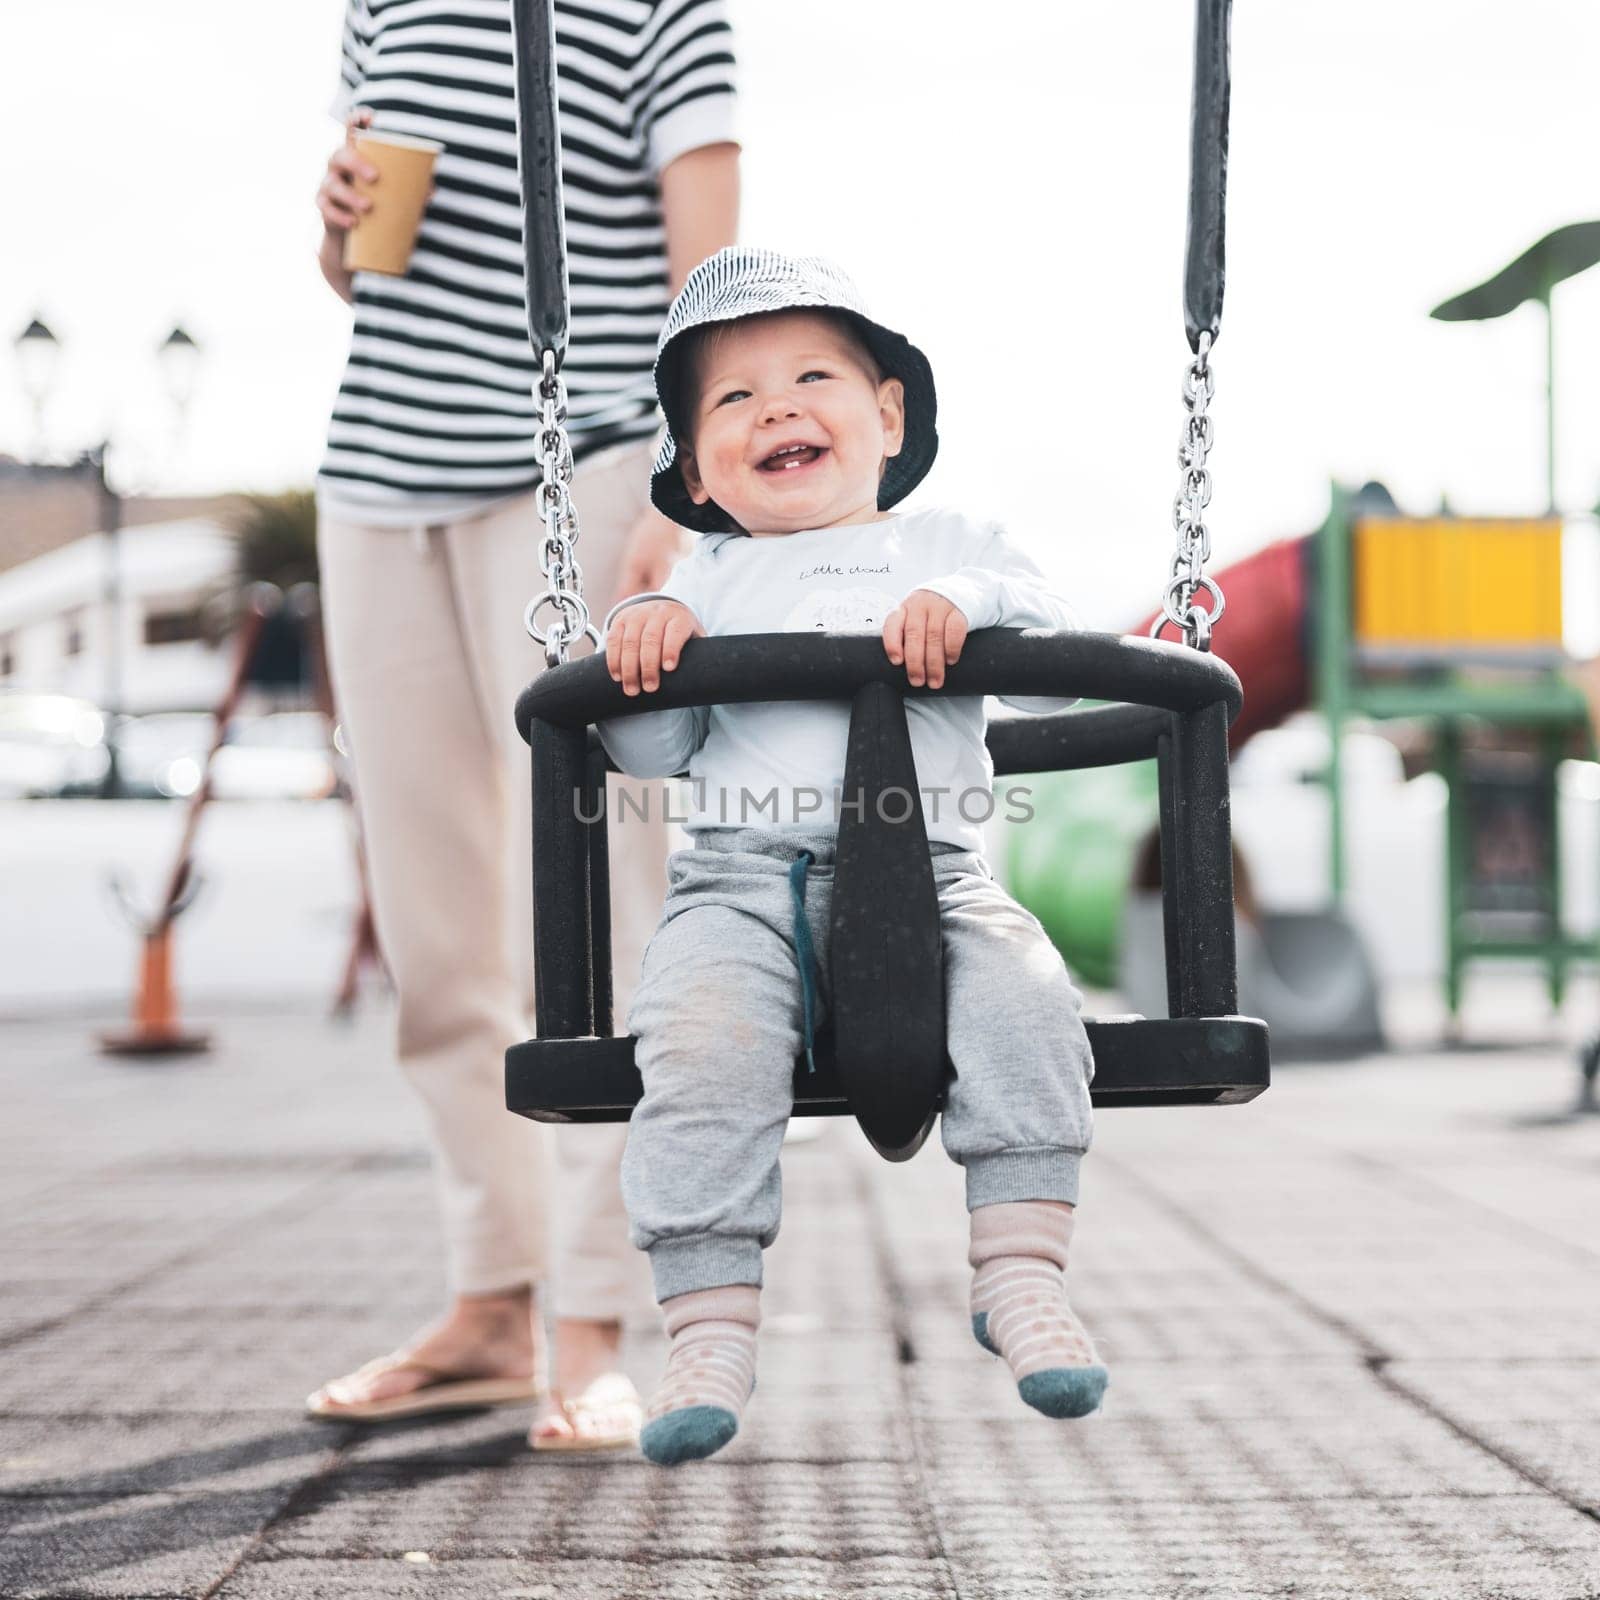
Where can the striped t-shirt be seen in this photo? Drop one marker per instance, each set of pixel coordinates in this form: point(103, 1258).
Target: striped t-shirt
point(436, 411)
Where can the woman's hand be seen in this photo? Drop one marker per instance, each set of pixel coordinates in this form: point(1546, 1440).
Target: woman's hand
point(926, 631)
point(338, 203)
point(341, 207)
point(653, 549)
point(644, 641)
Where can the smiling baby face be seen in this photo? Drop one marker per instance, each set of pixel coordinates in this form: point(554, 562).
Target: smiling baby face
point(791, 423)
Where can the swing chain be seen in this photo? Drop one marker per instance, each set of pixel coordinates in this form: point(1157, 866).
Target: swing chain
point(1188, 513)
point(557, 560)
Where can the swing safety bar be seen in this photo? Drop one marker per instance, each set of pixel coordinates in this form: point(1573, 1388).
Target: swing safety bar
point(1178, 705)
point(748, 667)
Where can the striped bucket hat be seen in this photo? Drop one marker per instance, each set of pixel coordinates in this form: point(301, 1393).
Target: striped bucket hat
point(740, 281)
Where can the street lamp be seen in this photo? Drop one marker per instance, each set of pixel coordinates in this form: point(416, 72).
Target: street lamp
point(179, 356)
point(37, 350)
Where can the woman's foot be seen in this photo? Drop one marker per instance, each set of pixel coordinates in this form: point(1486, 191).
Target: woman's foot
point(485, 1350)
point(592, 1406)
point(606, 1415)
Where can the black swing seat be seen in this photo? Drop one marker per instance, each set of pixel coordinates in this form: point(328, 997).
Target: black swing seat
point(882, 1057)
point(1182, 1061)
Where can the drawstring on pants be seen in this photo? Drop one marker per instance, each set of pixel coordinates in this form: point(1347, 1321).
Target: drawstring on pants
point(806, 952)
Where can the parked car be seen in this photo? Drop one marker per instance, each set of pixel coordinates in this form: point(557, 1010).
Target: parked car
point(149, 747)
point(50, 744)
point(283, 755)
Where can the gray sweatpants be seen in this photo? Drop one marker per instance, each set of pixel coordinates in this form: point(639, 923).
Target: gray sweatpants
point(718, 1018)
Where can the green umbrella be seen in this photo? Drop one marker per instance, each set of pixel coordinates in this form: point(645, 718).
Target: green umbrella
point(1561, 254)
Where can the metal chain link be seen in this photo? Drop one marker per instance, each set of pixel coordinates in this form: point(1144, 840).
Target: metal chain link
point(556, 558)
point(1188, 514)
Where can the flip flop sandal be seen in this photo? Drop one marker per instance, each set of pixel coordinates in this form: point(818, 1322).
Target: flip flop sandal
point(442, 1391)
point(606, 1416)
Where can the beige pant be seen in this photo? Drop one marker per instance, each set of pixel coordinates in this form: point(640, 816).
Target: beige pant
point(428, 653)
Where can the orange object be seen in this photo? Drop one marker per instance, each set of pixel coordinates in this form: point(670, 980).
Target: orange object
point(383, 238)
point(156, 1029)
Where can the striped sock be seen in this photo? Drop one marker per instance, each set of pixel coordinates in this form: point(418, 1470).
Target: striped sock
point(711, 1369)
point(1020, 1310)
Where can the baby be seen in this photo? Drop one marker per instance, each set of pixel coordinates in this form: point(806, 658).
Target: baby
point(795, 424)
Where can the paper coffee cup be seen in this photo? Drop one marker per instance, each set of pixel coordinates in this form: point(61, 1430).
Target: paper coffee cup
point(381, 241)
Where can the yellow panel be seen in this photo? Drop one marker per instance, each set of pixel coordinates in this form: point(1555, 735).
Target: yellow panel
point(1384, 600)
point(1422, 579)
point(1411, 596)
point(1530, 579)
point(1483, 612)
point(1496, 596)
point(1363, 621)
point(1476, 548)
point(1551, 611)
point(1407, 609)
point(1461, 548)
point(1521, 554)
point(1517, 561)
point(1448, 596)
point(1371, 588)
point(1457, 581)
point(1381, 584)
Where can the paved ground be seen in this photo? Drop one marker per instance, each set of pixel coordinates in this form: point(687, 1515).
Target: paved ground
point(1353, 1333)
point(272, 918)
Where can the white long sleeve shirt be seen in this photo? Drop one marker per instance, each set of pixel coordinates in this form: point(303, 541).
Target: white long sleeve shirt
point(782, 765)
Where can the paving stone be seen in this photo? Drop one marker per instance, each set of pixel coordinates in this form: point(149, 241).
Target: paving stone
point(1544, 1415)
point(769, 1578)
point(621, 1509)
point(1385, 1452)
point(234, 1231)
point(105, 1457)
point(186, 1359)
point(1563, 1455)
point(1417, 1548)
point(141, 1547)
point(31, 1302)
point(399, 1293)
point(67, 1269)
point(458, 1441)
point(1473, 1331)
point(1525, 1390)
point(132, 1194)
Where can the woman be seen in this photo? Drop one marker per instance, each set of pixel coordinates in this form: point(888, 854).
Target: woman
point(428, 544)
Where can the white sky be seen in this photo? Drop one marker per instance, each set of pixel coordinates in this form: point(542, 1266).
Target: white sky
point(1013, 199)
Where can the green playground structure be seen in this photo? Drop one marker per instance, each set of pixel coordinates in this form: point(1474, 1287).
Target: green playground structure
point(1072, 864)
point(1450, 624)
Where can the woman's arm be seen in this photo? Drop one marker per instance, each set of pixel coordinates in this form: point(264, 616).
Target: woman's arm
point(331, 259)
point(699, 206)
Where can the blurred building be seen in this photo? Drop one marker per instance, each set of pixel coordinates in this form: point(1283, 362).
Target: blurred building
point(58, 572)
point(44, 508)
point(58, 628)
